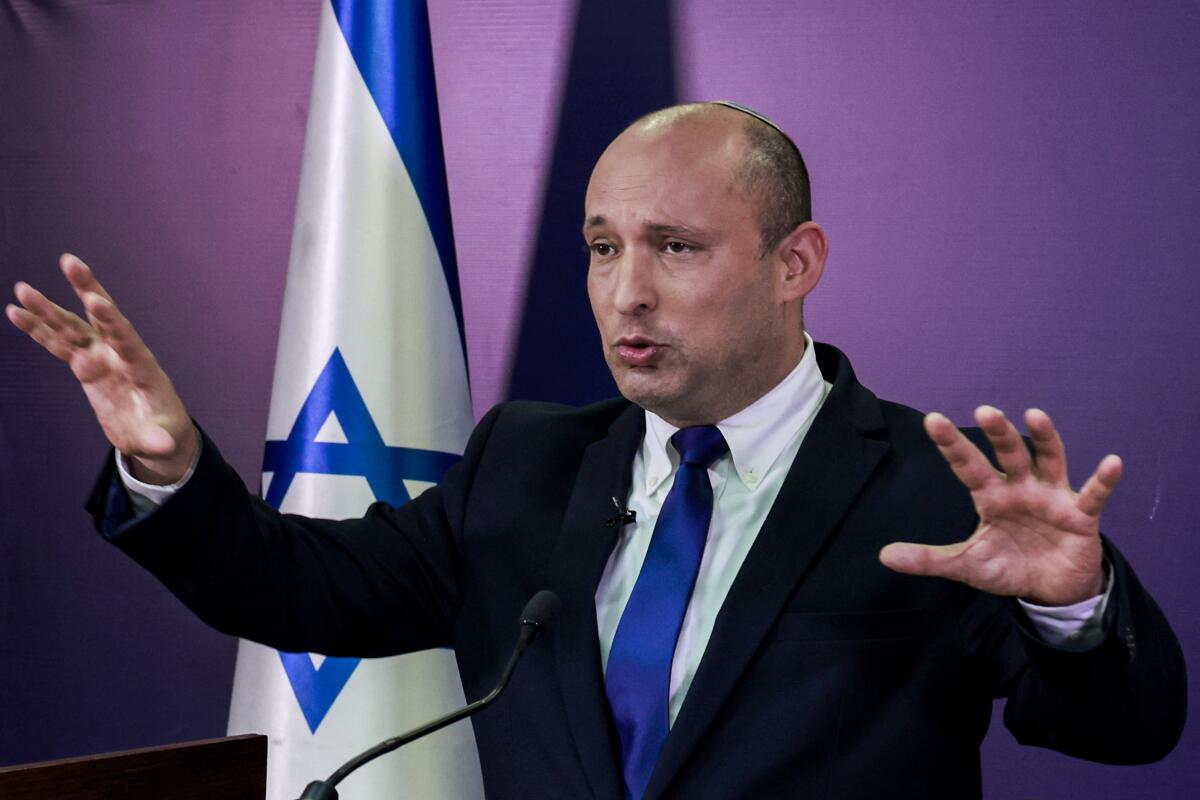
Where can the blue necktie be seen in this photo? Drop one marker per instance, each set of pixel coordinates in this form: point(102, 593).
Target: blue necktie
point(638, 678)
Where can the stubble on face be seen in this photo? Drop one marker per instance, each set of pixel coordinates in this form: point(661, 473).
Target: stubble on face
point(709, 367)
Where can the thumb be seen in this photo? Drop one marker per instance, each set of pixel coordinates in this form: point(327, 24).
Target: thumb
point(923, 559)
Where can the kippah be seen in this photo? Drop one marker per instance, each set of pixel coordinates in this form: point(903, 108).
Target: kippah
point(748, 110)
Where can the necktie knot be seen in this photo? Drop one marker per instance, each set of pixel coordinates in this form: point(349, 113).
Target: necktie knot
point(700, 445)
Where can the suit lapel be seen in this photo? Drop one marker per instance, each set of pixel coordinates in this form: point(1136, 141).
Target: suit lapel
point(583, 548)
point(831, 468)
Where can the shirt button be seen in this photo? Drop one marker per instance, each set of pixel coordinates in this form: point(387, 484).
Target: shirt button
point(750, 478)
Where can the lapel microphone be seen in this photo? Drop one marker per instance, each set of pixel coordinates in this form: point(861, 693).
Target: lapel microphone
point(538, 613)
point(623, 517)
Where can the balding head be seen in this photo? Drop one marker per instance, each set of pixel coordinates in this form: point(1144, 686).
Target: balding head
point(697, 294)
point(770, 169)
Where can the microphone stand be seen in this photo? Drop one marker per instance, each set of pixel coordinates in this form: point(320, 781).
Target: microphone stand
point(531, 626)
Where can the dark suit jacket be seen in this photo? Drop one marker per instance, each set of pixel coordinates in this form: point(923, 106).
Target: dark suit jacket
point(827, 675)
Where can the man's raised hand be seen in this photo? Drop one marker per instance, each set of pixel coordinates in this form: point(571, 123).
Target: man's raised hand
point(1037, 538)
point(132, 397)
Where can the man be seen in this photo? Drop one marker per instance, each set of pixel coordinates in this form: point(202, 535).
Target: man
point(718, 537)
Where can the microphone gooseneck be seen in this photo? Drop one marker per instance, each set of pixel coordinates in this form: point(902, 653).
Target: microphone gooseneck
point(535, 618)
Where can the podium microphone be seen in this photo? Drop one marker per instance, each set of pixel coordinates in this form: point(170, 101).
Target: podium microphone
point(538, 612)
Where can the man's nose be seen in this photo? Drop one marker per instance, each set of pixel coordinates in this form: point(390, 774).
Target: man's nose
point(634, 291)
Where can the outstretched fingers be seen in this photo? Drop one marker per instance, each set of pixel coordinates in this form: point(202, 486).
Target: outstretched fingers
point(1095, 493)
point(968, 463)
point(28, 322)
point(117, 330)
point(1048, 448)
point(64, 334)
point(103, 313)
point(1010, 449)
point(81, 277)
point(53, 316)
point(57, 330)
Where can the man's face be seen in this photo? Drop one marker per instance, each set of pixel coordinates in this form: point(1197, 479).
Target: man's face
point(690, 317)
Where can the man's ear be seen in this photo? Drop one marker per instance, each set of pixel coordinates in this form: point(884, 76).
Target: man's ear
point(801, 259)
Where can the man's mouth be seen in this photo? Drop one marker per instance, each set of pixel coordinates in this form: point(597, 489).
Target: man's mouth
point(638, 351)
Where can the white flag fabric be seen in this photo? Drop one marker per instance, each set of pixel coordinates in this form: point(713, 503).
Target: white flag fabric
point(370, 398)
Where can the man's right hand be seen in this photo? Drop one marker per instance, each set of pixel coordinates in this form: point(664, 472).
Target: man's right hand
point(132, 397)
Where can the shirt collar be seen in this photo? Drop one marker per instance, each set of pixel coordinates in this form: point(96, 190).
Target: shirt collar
point(756, 435)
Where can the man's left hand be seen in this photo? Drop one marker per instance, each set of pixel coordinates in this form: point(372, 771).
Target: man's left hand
point(1037, 538)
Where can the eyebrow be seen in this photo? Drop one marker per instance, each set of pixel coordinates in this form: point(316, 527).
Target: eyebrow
point(674, 230)
point(661, 229)
point(593, 222)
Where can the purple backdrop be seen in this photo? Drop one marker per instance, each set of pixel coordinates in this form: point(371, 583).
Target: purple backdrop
point(1010, 192)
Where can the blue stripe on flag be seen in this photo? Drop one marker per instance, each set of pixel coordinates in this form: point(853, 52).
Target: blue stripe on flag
point(389, 40)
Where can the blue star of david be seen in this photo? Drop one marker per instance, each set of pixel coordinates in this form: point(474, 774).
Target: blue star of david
point(364, 453)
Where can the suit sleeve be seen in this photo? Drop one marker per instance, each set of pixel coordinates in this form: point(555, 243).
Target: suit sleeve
point(1121, 701)
point(386, 583)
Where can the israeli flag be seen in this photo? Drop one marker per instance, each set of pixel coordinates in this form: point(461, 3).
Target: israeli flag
point(370, 400)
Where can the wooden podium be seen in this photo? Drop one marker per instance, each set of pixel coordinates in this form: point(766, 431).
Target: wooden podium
point(233, 768)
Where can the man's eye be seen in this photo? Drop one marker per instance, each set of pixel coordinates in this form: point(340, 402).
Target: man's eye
point(602, 249)
point(678, 247)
